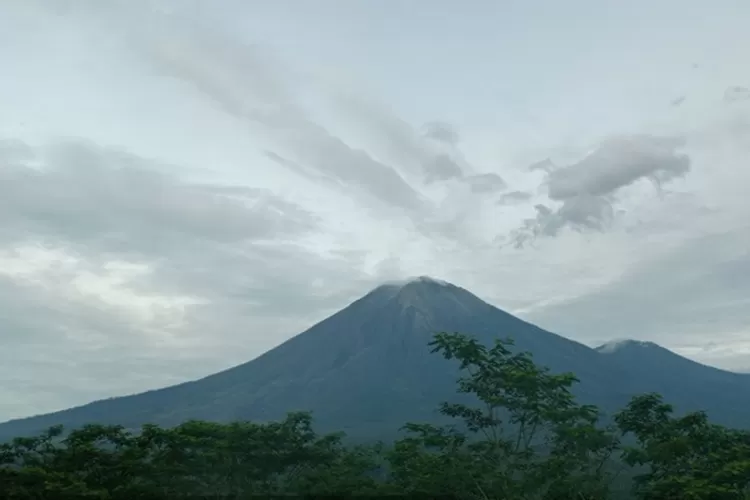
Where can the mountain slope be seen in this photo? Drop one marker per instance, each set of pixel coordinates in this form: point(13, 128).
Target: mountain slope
point(686, 384)
point(367, 370)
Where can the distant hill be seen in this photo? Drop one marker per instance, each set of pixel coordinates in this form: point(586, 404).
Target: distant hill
point(367, 370)
point(686, 384)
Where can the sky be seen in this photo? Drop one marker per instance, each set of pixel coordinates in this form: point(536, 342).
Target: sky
point(185, 185)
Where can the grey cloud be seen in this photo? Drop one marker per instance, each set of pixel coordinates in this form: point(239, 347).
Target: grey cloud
point(357, 169)
point(485, 183)
point(411, 153)
point(579, 213)
point(229, 247)
point(442, 168)
point(678, 101)
point(245, 84)
point(514, 197)
point(584, 212)
point(214, 241)
point(298, 168)
point(113, 200)
point(50, 334)
point(15, 154)
point(261, 279)
point(619, 162)
point(587, 189)
point(307, 147)
point(688, 296)
point(545, 165)
point(432, 154)
point(392, 137)
point(442, 132)
point(736, 93)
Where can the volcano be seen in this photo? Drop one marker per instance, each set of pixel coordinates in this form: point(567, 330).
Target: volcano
point(367, 370)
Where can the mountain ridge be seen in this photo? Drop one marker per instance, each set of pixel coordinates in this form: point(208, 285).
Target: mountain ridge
point(367, 370)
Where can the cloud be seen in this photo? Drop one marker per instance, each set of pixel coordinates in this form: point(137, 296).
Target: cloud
point(619, 162)
point(545, 165)
point(102, 204)
point(486, 183)
point(678, 101)
point(442, 132)
point(64, 333)
point(395, 140)
point(244, 81)
point(442, 168)
point(106, 259)
point(427, 156)
point(736, 93)
point(687, 295)
point(586, 190)
point(250, 84)
point(513, 197)
point(120, 204)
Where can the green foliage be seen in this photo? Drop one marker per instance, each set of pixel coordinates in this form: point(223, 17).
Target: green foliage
point(523, 437)
point(202, 458)
point(687, 457)
point(526, 438)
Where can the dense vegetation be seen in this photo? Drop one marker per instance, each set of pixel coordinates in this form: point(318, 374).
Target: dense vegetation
point(526, 438)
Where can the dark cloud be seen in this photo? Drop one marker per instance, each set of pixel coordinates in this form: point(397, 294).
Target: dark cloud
point(619, 162)
point(514, 197)
point(117, 202)
point(586, 190)
point(442, 167)
point(545, 165)
point(441, 132)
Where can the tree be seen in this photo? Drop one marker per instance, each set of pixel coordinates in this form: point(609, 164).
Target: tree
point(519, 434)
point(686, 458)
point(526, 437)
point(232, 460)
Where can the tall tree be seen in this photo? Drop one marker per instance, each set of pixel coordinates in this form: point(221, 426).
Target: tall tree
point(525, 438)
point(685, 458)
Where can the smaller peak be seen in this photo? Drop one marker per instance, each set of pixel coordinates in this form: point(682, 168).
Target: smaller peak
point(618, 345)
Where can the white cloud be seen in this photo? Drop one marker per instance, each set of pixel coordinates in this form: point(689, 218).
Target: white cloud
point(175, 198)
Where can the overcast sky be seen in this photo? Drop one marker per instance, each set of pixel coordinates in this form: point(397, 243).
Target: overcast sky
point(184, 185)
